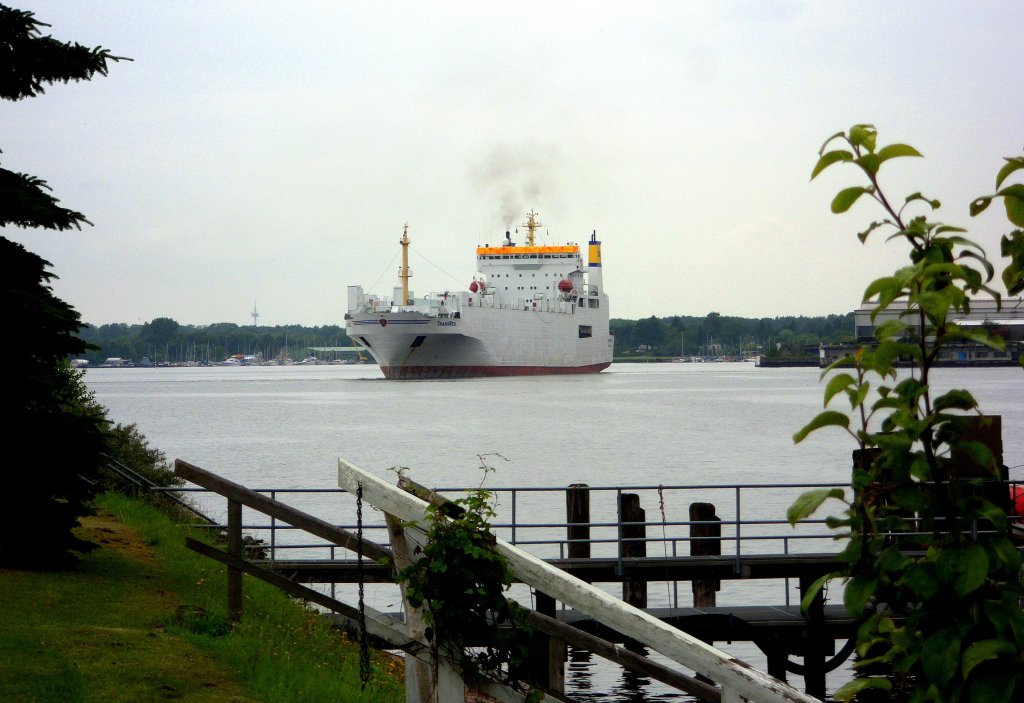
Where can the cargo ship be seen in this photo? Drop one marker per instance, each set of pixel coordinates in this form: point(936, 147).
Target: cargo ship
point(530, 309)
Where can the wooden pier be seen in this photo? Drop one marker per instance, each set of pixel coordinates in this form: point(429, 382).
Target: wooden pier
point(821, 638)
point(779, 631)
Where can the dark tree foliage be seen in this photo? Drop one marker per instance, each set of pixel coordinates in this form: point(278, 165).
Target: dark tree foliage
point(57, 435)
point(720, 334)
point(26, 202)
point(166, 341)
point(129, 447)
point(52, 426)
point(159, 332)
point(29, 60)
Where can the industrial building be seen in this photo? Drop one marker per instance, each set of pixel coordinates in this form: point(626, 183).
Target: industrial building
point(1005, 321)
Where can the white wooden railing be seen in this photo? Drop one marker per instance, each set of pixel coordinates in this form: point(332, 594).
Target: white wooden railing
point(738, 680)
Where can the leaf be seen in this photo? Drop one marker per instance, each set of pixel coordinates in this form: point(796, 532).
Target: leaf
point(1012, 247)
point(849, 690)
point(980, 257)
point(940, 656)
point(1013, 200)
point(956, 399)
point(1011, 165)
point(893, 151)
point(998, 688)
point(830, 158)
point(838, 384)
point(863, 135)
point(869, 163)
point(829, 418)
point(979, 335)
point(813, 590)
point(921, 581)
point(934, 204)
point(808, 502)
point(887, 287)
point(861, 395)
point(982, 651)
point(863, 236)
point(839, 135)
point(972, 569)
point(845, 199)
point(859, 589)
point(891, 329)
point(979, 205)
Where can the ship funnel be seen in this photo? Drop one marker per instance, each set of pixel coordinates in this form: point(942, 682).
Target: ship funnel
point(594, 272)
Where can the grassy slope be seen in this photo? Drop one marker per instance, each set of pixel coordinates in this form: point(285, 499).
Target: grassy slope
point(143, 619)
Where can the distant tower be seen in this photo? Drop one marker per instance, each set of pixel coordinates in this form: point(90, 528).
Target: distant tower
point(255, 313)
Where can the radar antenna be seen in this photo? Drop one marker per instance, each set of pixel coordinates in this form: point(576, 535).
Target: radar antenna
point(531, 224)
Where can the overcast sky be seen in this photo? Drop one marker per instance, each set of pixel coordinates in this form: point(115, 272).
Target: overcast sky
point(268, 154)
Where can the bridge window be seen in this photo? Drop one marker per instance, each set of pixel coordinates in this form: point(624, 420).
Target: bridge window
point(586, 331)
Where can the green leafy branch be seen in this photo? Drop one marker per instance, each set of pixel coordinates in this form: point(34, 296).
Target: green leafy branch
point(928, 562)
point(460, 581)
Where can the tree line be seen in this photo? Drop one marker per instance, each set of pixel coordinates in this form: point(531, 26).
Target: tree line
point(719, 335)
point(164, 340)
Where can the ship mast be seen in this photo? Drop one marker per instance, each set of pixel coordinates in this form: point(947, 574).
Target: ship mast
point(404, 273)
point(531, 224)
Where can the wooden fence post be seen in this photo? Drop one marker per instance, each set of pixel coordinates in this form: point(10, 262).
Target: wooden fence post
point(549, 657)
point(235, 550)
point(419, 679)
point(705, 540)
point(632, 544)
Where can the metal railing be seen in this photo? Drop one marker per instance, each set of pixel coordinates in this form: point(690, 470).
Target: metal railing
point(750, 517)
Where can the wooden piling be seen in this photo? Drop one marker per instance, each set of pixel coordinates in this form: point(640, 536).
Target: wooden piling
point(986, 430)
point(817, 644)
point(577, 514)
point(632, 544)
point(705, 540)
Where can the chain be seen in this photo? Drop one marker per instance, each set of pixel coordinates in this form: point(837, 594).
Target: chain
point(364, 640)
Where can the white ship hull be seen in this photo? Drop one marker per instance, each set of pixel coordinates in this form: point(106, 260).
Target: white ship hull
point(482, 342)
point(533, 310)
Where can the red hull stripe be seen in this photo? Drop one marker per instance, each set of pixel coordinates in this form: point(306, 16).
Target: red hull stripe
point(425, 372)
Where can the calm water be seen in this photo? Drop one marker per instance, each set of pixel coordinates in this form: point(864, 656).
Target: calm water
point(672, 424)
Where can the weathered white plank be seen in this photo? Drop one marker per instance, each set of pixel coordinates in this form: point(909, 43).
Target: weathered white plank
point(735, 676)
point(420, 686)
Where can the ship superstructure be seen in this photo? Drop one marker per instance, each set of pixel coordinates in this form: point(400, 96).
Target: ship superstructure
point(530, 309)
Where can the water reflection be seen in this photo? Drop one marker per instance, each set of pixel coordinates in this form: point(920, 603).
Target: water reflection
point(629, 688)
point(579, 673)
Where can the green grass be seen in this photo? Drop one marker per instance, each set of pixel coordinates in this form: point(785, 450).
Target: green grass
point(145, 620)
